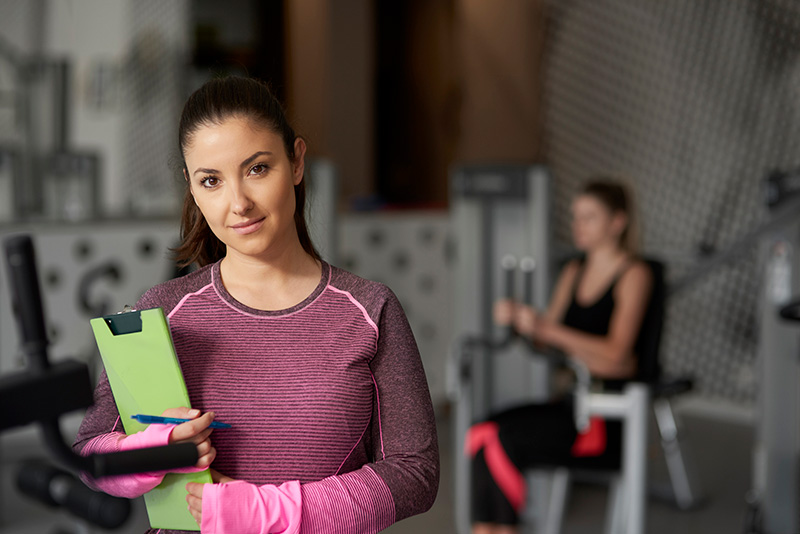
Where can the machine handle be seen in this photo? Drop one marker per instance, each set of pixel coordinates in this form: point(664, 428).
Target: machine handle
point(143, 460)
point(55, 487)
point(791, 311)
point(26, 299)
point(528, 266)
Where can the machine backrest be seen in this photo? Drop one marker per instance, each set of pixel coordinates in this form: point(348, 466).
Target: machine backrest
point(649, 341)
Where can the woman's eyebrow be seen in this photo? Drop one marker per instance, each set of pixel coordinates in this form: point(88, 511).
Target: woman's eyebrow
point(205, 171)
point(244, 163)
point(249, 160)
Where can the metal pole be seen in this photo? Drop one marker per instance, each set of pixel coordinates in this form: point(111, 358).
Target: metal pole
point(632, 407)
point(635, 455)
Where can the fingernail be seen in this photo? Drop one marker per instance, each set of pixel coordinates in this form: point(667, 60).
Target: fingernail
point(194, 413)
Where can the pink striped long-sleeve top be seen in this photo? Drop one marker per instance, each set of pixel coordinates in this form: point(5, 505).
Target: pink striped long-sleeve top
point(330, 393)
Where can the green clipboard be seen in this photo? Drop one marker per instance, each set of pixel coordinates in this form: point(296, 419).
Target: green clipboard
point(145, 378)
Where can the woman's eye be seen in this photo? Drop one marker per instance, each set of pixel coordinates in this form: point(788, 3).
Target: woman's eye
point(209, 181)
point(260, 168)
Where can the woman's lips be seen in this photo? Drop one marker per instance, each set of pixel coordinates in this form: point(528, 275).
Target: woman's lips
point(248, 227)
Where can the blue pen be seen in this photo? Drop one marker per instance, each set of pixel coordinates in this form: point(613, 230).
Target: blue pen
point(158, 420)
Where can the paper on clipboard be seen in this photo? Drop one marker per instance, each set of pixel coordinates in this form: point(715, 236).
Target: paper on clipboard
point(145, 377)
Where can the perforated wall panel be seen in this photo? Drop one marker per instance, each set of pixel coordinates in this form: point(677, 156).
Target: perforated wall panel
point(695, 101)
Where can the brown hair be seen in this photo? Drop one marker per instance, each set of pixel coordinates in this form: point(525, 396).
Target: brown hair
point(616, 197)
point(214, 102)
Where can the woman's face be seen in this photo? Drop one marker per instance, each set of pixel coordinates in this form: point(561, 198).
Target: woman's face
point(594, 225)
point(243, 182)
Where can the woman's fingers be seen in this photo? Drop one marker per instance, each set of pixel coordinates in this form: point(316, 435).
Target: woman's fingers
point(205, 460)
point(195, 489)
point(219, 478)
point(503, 312)
point(196, 431)
point(202, 436)
point(198, 515)
point(195, 500)
point(205, 454)
point(204, 447)
point(196, 428)
point(525, 321)
point(181, 412)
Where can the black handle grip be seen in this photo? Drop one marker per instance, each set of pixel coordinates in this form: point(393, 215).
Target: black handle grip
point(143, 460)
point(527, 265)
point(791, 311)
point(26, 298)
point(509, 265)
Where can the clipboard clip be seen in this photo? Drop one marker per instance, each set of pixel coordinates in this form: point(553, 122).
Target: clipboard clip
point(127, 321)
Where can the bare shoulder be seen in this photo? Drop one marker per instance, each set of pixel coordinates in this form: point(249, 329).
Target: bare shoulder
point(570, 270)
point(566, 278)
point(638, 277)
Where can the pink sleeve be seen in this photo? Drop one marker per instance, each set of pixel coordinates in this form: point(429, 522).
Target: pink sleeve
point(136, 484)
point(243, 508)
point(356, 502)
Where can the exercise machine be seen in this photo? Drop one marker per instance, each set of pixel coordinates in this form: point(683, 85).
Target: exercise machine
point(501, 221)
point(774, 501)
point(500, 215)
point(44, 392)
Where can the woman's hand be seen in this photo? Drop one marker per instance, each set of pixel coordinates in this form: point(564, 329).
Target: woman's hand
point(527, 321)
point(195, 500)
point(195, 431)
point(503, 312)
point(195, 496)
point(219, 478)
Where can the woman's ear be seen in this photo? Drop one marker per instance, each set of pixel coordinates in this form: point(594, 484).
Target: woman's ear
point(299, 163)
point(189, 184)
point(619, 222)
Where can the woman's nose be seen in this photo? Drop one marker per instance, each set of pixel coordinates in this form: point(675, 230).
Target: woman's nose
point(241, 202)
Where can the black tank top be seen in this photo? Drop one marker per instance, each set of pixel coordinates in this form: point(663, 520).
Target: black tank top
point(596, 317)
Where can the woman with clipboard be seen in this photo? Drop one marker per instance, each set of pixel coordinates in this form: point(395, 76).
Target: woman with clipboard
point(315, 369)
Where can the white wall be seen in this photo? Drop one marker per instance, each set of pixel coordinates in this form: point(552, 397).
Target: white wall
point(126, 59)
point(92, 34)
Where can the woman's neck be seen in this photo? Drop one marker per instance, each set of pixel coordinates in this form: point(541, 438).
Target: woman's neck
point(273, 284)
point(606, 255)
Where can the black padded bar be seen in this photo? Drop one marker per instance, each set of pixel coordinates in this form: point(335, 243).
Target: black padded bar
point(27, 397)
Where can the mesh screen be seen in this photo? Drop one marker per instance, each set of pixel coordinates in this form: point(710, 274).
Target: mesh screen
point(695, 102)
point(154, 75)
point(17, 19)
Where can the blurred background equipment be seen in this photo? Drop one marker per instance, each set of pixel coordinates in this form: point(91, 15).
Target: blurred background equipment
point(56, 487)
point(775, 497)
point(44, 177)
point(496, 211)
point(43, 393)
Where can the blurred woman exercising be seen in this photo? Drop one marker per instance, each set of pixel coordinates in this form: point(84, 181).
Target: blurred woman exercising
point(594, 316)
